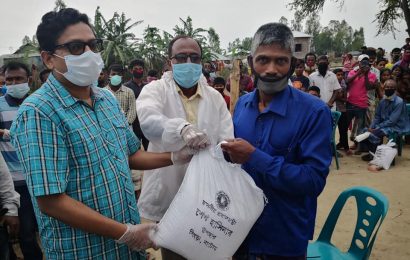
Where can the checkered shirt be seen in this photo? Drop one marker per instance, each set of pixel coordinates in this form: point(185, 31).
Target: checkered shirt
point(66, 146)
point(126, 98)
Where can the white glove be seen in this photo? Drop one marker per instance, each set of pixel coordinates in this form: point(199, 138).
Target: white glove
point(6, 134)
point(138, 237)
point(194, 138)
point(183, 156)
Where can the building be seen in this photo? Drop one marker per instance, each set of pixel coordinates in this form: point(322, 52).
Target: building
point(303, 43)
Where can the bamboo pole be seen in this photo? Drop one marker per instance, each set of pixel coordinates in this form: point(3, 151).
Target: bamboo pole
point(234, 78)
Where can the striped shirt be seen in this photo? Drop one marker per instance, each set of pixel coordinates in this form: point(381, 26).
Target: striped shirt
point(126, 98)
point(66, 146)
point(8, 112)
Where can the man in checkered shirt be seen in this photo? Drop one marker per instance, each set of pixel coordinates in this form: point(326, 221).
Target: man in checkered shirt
point(76, 149)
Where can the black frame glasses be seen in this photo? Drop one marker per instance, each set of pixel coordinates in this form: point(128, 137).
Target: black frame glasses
point(78, 47)
point(183, 57)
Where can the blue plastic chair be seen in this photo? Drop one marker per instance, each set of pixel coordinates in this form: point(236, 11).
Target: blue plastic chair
point(335, 116)
point(369, 219)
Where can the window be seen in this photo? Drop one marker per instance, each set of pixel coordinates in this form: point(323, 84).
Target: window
point(298, 47)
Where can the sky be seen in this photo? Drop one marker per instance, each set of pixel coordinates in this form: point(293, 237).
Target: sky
point(230, 18)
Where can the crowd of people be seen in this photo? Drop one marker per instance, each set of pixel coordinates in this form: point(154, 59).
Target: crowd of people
point(67, 149)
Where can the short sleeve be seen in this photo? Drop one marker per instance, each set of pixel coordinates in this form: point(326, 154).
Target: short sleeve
point(42, 152)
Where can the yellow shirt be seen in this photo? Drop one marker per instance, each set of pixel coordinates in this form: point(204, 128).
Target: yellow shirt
point(190, 105)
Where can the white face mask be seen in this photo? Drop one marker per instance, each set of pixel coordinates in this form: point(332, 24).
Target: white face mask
point(18, 91)
point(84, 69)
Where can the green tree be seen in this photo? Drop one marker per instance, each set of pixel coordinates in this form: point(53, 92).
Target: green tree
point(59, 4)
point(240, 48)
point(358, 39)
point(390, 12)
point(283, 20)
point(296, 23)
point(120, 44)
point(214, 42)
point(153, 48)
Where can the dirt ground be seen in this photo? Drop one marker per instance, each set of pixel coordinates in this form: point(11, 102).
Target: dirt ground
point(393, 238)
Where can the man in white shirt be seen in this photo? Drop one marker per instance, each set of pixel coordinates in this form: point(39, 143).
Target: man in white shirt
point(326, 81)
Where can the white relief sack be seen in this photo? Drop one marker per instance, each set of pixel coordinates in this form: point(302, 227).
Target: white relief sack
point(213, 211)
point(384, 155)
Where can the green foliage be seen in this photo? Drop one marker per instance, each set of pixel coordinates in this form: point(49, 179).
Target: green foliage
point(59, 4)
point(240, 48)
point(153, 48)
point(120, 44)
point(283, 20)
point(390, 12)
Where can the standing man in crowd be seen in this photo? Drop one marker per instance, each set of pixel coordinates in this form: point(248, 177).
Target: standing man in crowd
point(175, 111)
point(326, 81)
point(9, 204)
point(125, 96)
point(310, 64)
point(136, 68)
point(76, 150)
point(282, 141)
point(359, 81)
point(17, 77)
point(395, 57)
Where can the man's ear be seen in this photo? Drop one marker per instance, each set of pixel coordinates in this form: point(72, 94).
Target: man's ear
point(47, 59)
point(30, 80)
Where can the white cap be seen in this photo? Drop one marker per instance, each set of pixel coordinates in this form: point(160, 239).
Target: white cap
point(363, 56)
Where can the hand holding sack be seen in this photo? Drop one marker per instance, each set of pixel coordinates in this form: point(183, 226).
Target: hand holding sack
point(213, 211)
point(194, 138)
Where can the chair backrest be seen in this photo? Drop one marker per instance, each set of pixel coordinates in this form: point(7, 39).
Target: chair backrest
point(335, 119)
point(372, 207)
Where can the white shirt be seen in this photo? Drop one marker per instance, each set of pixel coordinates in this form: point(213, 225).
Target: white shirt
point(327, 84)
point(162, 116)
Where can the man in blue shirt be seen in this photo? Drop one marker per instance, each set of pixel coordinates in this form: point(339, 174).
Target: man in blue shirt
point(283, 141)
point(391, 117)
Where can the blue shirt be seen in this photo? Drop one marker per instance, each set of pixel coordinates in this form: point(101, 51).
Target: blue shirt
point(290, 164)
point(391, 116)
point(8, 112)
point(66, 146)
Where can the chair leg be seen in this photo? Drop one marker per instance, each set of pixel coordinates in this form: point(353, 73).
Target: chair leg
point(336, 157)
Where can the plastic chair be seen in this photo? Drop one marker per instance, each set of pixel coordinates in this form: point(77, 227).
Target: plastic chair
point(335, 116)
point(369, 219)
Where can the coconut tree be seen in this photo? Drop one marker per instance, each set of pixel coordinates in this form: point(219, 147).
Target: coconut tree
point(153, 48)
point(120, 44)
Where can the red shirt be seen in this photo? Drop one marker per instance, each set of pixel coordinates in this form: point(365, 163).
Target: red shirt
point(357, 92)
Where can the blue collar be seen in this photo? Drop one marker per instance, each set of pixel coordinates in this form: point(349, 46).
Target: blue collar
point(65, 97)
point(278, 105)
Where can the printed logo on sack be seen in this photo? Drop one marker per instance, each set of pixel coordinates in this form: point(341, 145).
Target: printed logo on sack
point(222, 200)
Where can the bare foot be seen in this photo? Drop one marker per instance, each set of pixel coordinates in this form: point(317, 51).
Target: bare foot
point(374, 168)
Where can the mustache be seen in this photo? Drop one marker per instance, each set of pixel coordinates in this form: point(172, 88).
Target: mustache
point(271, 78)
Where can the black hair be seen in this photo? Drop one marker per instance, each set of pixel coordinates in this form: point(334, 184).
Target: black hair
point(299, 62)
point(310, 54)
point(116, 67)
point(371, 52)
point(206, 73)
point(384, 70)
point(43, 74)
point(323, 57)
point(153, 73)
point(53, 24)
point(136, 62)
point(335, 71)
point(219, 80)
point(15, 65)
point(396, 50)
point(176, 38)
point(314, 88)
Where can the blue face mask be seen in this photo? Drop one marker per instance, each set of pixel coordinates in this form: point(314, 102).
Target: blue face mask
point(187, 74)
point(115, 80)
point(4, 90)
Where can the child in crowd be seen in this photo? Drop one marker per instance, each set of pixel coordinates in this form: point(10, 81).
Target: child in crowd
point(298, 80)
point(219, 84)
point(341, 107)
point(314, 90)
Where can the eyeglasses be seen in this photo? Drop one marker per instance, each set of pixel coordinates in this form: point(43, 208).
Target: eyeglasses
point(78, 47)
point(183, 57)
